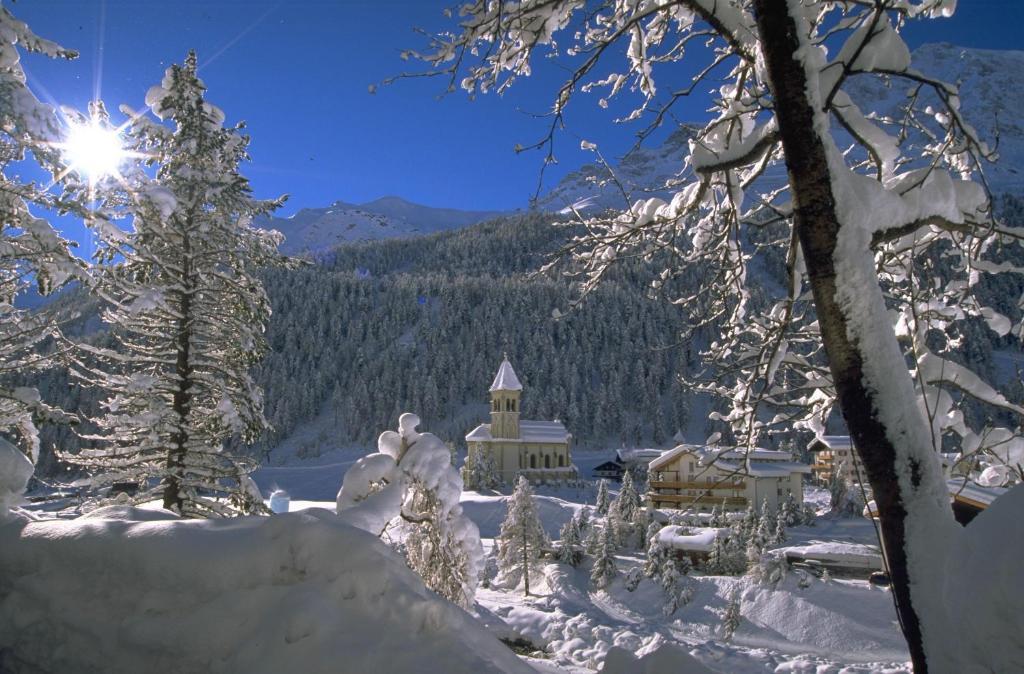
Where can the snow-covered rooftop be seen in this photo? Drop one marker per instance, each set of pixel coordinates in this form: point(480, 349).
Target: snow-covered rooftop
point(764, 468)
point(974, 492)
point(831, 442)
point(529, 431)
point(637, 455)
point(698, 539)
point(506, 379)
point(838, 554)
point(717, 455)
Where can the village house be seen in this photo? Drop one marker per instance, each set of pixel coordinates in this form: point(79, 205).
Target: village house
point(540, 450)
point(833, 453)
point(692, 477)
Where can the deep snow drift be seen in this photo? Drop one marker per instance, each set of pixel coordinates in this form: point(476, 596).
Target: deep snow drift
point(130, 590)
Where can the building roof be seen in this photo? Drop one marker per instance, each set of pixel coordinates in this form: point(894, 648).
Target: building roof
point(637, 455)
point(830, 442)
point(707, 456)
point(529, 431)
point(697, 539)
point(506, 379)
point(964, 490)
point(764, 468)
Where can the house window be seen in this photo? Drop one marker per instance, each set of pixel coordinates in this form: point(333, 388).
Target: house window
point(692, 468)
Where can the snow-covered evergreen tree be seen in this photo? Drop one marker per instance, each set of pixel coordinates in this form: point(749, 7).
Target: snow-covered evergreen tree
point(779, 531)
point(604, 570)
point(522, 538)
point(480, 471)
point(732, 617)
point(790, 511)
point(601, 503)
point(570, 543)
point(29, 245)
point(186, 310)
point(410, 483)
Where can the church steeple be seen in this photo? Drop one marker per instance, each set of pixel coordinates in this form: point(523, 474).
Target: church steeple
point(505, 393)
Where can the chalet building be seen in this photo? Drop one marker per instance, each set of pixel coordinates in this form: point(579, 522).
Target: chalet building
point(540, 450)
point(691, 477)
point(831, 451)
point(609, 470)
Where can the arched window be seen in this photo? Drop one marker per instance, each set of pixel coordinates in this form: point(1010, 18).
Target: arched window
point(513, 405)
point(533, 461)
point(494, 406)
point(561, 461)
point(547, 460)
point(508, 405)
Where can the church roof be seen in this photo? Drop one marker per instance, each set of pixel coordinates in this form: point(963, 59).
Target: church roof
point(506, 379)
point(529, 431)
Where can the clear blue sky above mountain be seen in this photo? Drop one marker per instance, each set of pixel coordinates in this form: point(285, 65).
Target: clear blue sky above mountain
point(298, 73)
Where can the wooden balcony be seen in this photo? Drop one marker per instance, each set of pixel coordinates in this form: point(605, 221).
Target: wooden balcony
point(705, 499)
point(706, 486)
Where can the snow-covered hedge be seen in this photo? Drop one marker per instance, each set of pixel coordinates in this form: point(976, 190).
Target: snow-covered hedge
point(298, 592)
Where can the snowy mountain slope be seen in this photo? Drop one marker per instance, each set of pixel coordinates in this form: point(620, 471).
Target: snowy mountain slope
point(314, 230)
point(992, 100)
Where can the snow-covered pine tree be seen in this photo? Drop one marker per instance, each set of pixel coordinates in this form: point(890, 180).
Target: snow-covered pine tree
point(187, 312)
point(837, 488)
point(29, 245)
point(628, 501)
point(601, 503)
point(790, 511)
point(716, 561)
point(570, 543)
point(582, 518)
point(604, 570)
point(732, 617)
point(521, 538)
point(668, 580)
point(779, 531)
point(410, 483)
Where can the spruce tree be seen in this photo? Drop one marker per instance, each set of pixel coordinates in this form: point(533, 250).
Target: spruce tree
point(601, 502)
point(604, 570)
point(570, 543)
point(733, 617)
point(187, 312)
point(522, 538)
point(779, 534)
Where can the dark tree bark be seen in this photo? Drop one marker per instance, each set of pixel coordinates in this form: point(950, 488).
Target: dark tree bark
point(817, 225)
point(181, 403)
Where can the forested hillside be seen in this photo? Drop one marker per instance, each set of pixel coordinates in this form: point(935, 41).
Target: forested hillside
point(379, 327)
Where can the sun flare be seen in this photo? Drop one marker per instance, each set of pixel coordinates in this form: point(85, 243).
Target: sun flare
point(93, 151)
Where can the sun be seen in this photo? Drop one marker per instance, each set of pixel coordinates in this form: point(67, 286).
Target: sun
point(93, 150)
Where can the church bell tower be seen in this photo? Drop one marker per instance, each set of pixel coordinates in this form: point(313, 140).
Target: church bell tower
point(505, 392)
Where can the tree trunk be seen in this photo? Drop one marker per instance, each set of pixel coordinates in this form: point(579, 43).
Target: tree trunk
point(181, 402)
point(818, 226)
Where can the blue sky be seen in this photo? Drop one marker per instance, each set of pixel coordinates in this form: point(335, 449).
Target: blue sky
point(298, 73)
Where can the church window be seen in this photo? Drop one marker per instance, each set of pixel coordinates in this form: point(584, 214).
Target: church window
point(561, 461)
point(533, 461)
point(547, 460)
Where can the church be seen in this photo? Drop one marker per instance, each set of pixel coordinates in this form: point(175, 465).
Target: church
point(540, 450)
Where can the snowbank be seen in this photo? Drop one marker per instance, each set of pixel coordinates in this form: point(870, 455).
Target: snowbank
point(667, 659)
point(15, 471)
point(297, 592)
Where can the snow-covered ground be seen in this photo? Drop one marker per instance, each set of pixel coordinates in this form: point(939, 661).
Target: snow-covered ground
point(828, 626)
point(803, 624)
